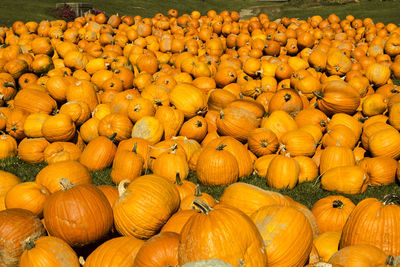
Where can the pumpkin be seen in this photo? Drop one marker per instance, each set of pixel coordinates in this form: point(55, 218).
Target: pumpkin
point(78, 111)
point(74, 210)
point(169, 164)
point(126, 165)
point(287, 100)
point(339, 135)
point(15, 123)
point(381, 170)
point(327, 244)
point(118, 251)
point(245, 247)
point(31, 150)
point(345, 179)
point(59, 127)
point(18, 228)
point(33, 124)
point(61, 151)
point(262, 142)
point(189, 99)
point(7, 181)
point(99, 153)
point(249, 198)
point(377, 74)
point(159, 250)
point(297, 143)
point(279, 122)
point(115, 123)
point(283, 172)
point(337, 63)
point(359, 255)
point(176, 222)
point(337, 96)
point(385, 142)
point(308, 168)
point(362, 227)
point(50, 250)
point(261, 165)
point(159, 199)
point(8, 146)
point(185, 188)
point(51, 175)
point(28, 195)
point(238, 150)
point(34, 101)
point(82, 90)
point(149, 128)
point(236, 122)
point(217, 167)
point(332, 212)
point(335, 156)
point(194, 128)
point(187, 202)
point(285, 231)
point(171, 120)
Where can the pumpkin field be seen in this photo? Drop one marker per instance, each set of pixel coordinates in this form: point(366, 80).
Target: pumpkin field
point(191, 136)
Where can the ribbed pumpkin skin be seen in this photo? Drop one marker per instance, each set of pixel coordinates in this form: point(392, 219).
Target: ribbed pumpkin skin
point(79, 215)
point(335, 156)
point(236, 122)
point(16, 226)
point(327, 244)
point(381, 170)
point(374, 222)
point(332, 212)
point(231, 234)
point(249, 198)
point(176, 222)
point(345, 179)
point(217, 167)
point(126, 165)
point(49, 251)
point(189, 99)
point(119, 251)
point(283, 172)
point(145, 206)
point(98, 154)
point(359, 255)
point(35, 101)
point(74, 171)
point(159, 251)
point(287, 234)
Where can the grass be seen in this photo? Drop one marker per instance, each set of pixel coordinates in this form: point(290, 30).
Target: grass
point(307, 193)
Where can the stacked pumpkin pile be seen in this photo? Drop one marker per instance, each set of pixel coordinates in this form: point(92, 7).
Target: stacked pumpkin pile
point(290, 100)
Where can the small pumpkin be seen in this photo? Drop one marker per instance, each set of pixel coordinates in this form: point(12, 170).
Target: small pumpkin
point(99, 153)
point(283, 172)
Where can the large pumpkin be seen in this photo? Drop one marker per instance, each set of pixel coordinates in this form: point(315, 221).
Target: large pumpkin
point(364, 225)
point(145, 205)
point(79, 214)
point(287, 234)
point(17, 228)
point(49, 251)
point(189, 99)
point(99, 153)
point(240, 244)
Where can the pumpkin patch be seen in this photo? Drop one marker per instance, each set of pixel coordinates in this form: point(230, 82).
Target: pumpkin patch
point(173, 107)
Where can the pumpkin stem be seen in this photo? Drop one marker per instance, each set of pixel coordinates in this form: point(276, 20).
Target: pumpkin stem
point(30, 244)
point(264, 143)
point(197, 191)
point(318, 95)
point(221, 147)
point(391, 199)
point(112, 137)
point(389, 260)
point(199, 124)
point(202, 205)
point(287, 97)
point(178, 179)
point(134, 149)
point(338, 204)
point(121, 186)
point(81, 260)
point(66, 184)
point(221, 115)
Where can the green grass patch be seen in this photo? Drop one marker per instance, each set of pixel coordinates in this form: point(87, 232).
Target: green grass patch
point(307, 193)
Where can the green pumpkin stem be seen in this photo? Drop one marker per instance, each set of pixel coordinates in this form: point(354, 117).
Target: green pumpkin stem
point(66, 184)
point(338, 204)
point(318, 95)
point(221, 147)
point(391, 199)
point(112, 137)
point(30, 244)
point(202, 205)
point(178, 179)
point(134, 149)
point(389, 260)
point(197, 191)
